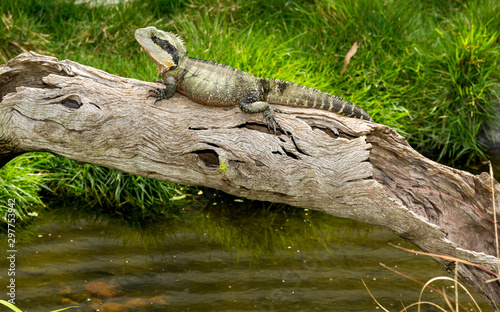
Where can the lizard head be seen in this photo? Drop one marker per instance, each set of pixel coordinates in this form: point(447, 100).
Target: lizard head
point(164, 48)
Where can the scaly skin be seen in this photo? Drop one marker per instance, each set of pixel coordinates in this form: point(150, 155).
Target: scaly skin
point(215, 84)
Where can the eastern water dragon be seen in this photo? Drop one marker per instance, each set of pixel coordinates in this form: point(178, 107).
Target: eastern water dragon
point(215, 84)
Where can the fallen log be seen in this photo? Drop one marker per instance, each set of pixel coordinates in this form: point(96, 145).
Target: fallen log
point(344, 167)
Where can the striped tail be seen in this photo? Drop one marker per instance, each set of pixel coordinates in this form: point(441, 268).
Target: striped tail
point(290, 94)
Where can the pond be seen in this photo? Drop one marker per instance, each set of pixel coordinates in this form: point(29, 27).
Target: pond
point(105, 266)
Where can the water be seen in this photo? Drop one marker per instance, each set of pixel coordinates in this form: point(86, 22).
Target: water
point(192, 272)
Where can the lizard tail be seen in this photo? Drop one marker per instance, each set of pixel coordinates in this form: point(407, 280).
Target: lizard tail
point(290, 94)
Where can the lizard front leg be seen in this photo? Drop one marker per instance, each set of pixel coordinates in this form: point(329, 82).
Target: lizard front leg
point(250, 104)
point(170, 86)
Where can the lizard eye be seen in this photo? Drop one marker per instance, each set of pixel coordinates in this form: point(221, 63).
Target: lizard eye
point(152, 33)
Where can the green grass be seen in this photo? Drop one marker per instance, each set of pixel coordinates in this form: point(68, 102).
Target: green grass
point(36, 178)
point(16, 309)
point(428, 69)
point(20, 184)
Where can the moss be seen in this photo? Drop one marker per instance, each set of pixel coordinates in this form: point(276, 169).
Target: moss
point(222, 167)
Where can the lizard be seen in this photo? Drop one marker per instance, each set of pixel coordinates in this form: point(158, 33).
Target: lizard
point(215, 84)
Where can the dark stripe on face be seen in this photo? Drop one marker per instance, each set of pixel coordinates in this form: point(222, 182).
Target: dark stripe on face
point(168, 47)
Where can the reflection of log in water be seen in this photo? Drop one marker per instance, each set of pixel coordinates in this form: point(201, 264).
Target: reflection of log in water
point(368, 173)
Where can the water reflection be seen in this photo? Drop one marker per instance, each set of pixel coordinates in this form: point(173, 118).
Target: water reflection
point(237, 256)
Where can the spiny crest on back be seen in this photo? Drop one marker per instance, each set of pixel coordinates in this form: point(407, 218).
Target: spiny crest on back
point(166, 49)
point(180, 42)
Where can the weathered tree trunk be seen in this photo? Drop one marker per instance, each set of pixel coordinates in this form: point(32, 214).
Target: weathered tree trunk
point(367, 173)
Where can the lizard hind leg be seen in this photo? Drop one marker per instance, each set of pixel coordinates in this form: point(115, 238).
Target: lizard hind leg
point(250, 104)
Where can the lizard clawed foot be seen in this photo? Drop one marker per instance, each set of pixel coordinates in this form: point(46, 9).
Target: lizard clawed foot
point(158, 94)
point(271, 120)
point(279, 111)
point(166, 93)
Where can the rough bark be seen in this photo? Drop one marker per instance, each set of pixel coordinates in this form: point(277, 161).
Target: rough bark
point(367, 172)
